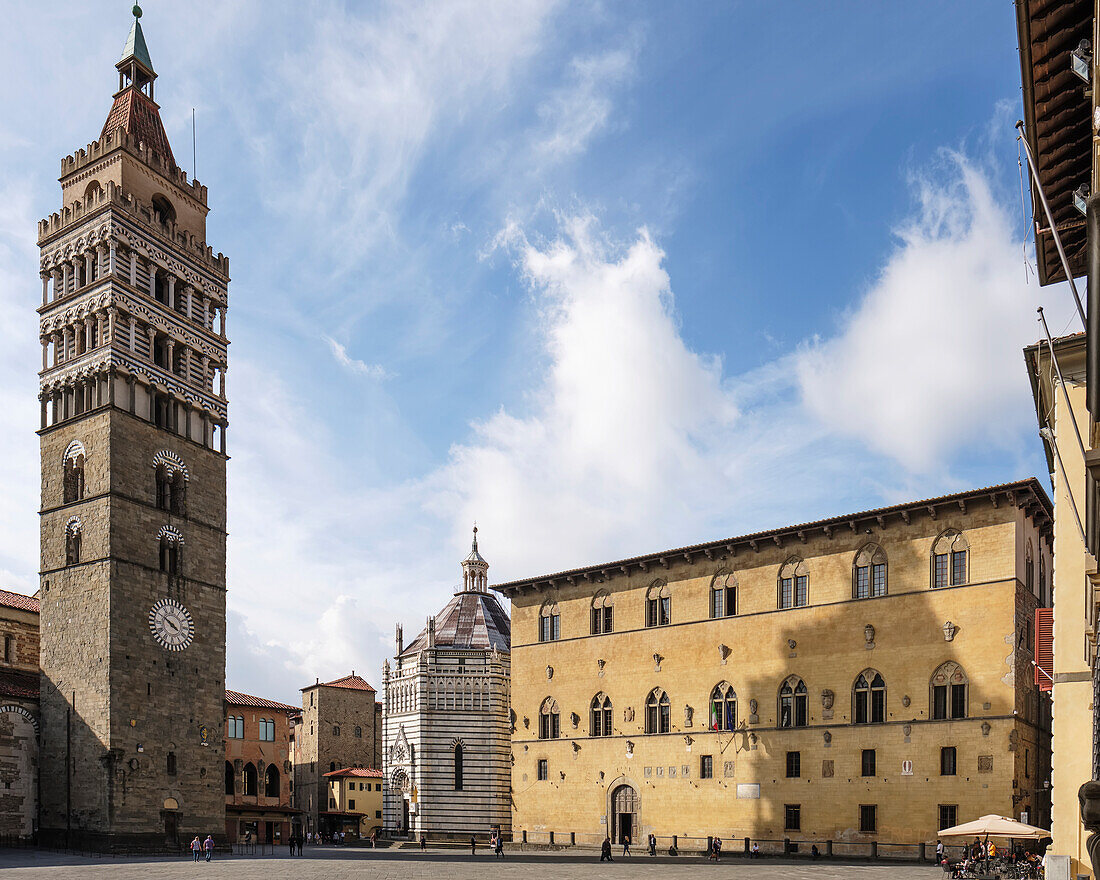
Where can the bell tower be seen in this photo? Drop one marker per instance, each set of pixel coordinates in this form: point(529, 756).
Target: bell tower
point(133, 513)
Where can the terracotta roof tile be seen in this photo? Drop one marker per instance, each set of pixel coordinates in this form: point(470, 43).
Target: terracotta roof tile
point(236, 698)
point(357, 772)
point(18, 684)
point(18, 600)
point(136, 114)
point(352, 682)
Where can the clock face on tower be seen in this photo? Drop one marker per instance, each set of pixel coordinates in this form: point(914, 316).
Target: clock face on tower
point(171, 625)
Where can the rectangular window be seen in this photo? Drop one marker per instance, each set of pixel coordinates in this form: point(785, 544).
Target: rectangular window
point(7, 649)
point(801, 597)
point(377, 814)
point(351, 805)
point(792, 817)
point(716, 604)
point(947, 761)
point(949, 814)
point(706, 767)
point(544, 773)
point(595, 624)
point(787, 592)
point(958, 567)
point(878, 579)
point(868, 818)
point(658, 611)
point(868, 762)
point(608, 619)
point(939, 702)
point(549, 627)
point(863, 582)
point(939, 570)
point(794, 765)
point(958, 701)
point(602, 620)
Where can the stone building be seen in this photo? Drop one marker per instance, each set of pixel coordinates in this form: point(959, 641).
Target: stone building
point(133, 516)
point(340, 726)
point(258, 770)
point(445, 727)
point(862, 679)
point(18, 715)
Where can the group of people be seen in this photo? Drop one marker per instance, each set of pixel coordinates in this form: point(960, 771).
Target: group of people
point(198, 847)
point(980, 853)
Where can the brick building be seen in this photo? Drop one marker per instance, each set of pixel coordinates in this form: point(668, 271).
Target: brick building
point(862, 679)
point(340, 726)
point(18, 715)
point(259, 775)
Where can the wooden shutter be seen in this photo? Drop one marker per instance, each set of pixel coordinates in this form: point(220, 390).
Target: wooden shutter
point(1044, 648)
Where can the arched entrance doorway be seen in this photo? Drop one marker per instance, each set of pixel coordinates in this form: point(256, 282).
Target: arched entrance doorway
point(401, 789)
point(624, 813)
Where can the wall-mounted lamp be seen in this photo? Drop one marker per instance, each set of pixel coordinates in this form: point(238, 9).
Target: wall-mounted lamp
point(1081, 198)
point(1081, 61)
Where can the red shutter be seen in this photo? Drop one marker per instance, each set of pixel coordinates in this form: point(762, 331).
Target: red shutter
point(1044, 648)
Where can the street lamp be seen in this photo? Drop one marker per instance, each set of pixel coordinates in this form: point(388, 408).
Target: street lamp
point(1081, 61)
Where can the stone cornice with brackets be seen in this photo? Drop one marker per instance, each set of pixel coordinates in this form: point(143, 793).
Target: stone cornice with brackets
point(103, 359)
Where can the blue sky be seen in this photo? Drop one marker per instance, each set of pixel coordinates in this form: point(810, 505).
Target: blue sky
point(605, 277)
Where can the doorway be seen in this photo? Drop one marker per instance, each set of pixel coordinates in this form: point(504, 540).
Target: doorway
point(171, 829)
point(624, 813)
point(404, 816)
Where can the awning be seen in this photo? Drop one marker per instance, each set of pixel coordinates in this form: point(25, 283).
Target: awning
point(995, 826)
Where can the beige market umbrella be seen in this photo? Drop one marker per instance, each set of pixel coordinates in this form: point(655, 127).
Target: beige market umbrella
point(995, 826)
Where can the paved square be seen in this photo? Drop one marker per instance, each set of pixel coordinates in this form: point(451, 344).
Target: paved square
point(338, 864)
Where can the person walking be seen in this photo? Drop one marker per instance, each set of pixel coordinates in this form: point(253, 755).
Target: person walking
point(208, 845)
point(473, 845)
point(626, 844)
point(196, 848)
point(423, 841)
point(939, 852)
point(605, 850)
point(500, 846)
point(652, 844)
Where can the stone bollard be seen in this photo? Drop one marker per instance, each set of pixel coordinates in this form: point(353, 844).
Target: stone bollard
point(829, 848)
point(525, 837)
point(923, 855)
point(786, 846)
point(874, 849)
point(748, 845)
point(572, 838)
point(710, 845)
point(551, 838)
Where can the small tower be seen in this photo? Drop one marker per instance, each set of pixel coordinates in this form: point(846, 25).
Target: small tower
point(475, 570)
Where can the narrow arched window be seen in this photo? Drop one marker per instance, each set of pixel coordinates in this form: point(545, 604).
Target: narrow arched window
point(869, 572)
point(1029, 568)
point(603, 610)
point(793, 703)
point(332, 767)
point(359, 732)
point(549, 622)
point(458, 766)
point(658, 714)
point(658, 604)
point(250, 779)
point(869, 699)
point(950, 560)
point(950, 692)
point(271, 781)
point(164, 490)
point(171, 554)
point(230, 779)
point(723, 595)
point(73, 537)
point(600, 720)
point(170, 764)
point(549, 719)
point(723, 707)
point(794, 579)
point(73, 477)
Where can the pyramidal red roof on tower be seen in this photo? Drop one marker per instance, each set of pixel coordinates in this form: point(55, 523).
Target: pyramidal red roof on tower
point(352, 682)
point(139, 117)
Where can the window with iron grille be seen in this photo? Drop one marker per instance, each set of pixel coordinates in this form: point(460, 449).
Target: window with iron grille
point(794, 765)
point(792, 817)
point(868, 818)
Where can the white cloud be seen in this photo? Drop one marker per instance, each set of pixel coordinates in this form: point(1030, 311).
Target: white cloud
point(929, 360)
point(575, 112)
point(340, 352)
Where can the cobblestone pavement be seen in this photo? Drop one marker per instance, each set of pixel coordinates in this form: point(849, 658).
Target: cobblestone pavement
point(337, 864)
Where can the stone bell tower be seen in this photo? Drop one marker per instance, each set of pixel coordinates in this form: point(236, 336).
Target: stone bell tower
point(133, 516)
